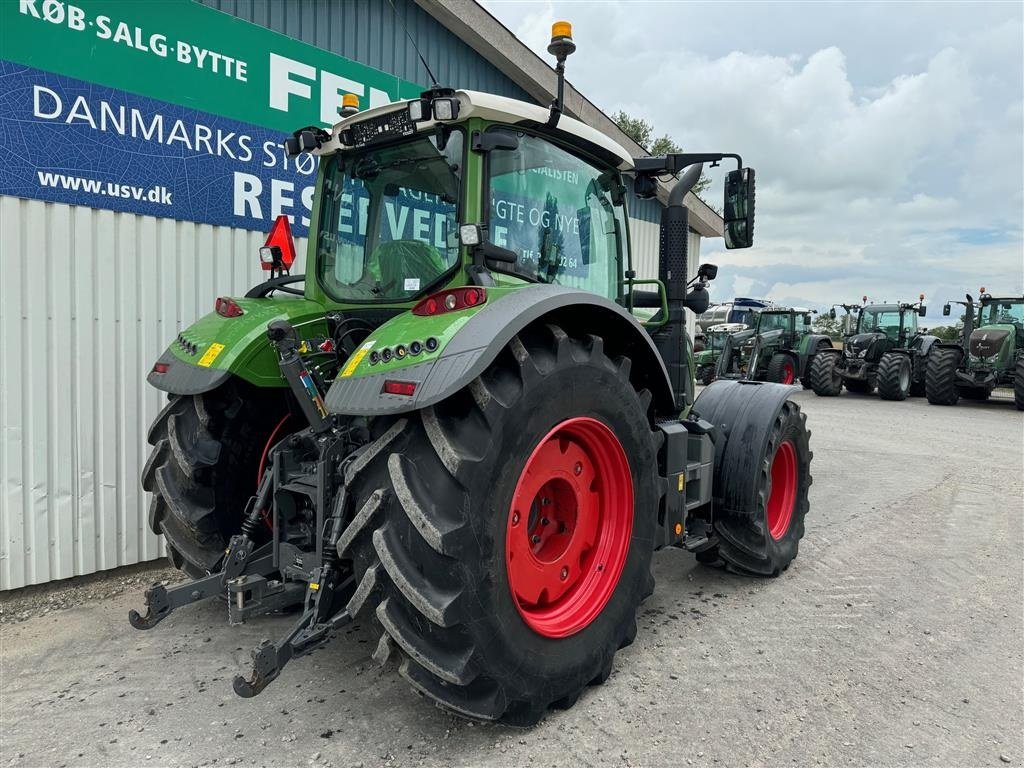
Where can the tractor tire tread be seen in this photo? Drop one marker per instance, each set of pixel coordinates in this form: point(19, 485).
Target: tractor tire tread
point(411, 534)
point(940, 376)
point(889, 368)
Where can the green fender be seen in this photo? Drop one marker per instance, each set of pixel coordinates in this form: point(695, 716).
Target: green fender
point(468, 340)
point(211, 350)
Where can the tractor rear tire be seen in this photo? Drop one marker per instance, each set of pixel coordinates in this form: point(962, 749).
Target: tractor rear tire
point(894, 374)
point(466, 542)
point(781, 369)
point(762, 479)
point(203, 468)
point(940, 376)
point(826, 379)
point(1018, 384)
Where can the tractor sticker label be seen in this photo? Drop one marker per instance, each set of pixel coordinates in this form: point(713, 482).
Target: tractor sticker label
point(356, 359)
point(210, 355)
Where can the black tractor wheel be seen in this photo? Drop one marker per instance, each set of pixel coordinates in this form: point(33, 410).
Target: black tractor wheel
point(859, 386)
point(805, 380)
point(204, 467)
point(781, 369)
point(761, 482)
point(1018, 384)
point(503, 537)
point(706, 374)
point(894, 374)
point(940, 376)
point(826, 378)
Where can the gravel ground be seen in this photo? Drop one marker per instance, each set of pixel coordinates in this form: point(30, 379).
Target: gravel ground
point(897, 638)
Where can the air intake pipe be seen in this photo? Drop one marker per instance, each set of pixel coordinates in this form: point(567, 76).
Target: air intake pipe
point(674, 238)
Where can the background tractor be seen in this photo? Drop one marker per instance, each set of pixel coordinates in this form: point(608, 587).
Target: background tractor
point(706, 360)
point(458, 428)
point(742, 311)
point(886, 350)
point(990, 353)
point(780, 348)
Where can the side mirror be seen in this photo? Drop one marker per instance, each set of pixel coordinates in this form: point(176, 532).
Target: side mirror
point(807, 319)
point(922, 310)
point(738, 210)
point(832, 313)
point(945, 310)
point(707, 271)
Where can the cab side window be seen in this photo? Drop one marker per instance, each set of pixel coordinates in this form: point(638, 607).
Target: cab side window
point(563, 217)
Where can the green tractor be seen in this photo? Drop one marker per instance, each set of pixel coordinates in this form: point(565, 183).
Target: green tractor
point(706, 360)
point(457, 428)
point(990, 353)
point(780, 348)
point(885, 350)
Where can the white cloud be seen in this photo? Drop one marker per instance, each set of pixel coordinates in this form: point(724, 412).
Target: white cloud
point(887, 137)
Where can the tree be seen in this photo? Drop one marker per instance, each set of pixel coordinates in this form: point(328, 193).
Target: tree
point(830, 326)
point(947, 332)
point(642, 132)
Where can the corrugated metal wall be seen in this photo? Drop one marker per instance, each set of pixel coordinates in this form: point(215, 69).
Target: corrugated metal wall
point(370, 33)
point(88, 300)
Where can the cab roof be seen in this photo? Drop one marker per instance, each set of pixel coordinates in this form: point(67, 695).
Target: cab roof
point(499, 109)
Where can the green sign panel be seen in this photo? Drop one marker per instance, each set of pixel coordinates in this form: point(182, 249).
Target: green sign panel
point(184, 53)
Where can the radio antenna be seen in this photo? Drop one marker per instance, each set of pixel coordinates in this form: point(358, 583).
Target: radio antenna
point(426, 66)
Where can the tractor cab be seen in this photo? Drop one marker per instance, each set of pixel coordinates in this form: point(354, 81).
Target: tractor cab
point(883, 327)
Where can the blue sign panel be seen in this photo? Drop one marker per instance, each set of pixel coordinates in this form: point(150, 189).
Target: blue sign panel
point(69, 141)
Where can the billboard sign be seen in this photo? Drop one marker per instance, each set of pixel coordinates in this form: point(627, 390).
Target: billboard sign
point(166, 108)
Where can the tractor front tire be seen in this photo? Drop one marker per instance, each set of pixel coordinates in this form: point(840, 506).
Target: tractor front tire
point(204, 466)
point(503, 537)
point(762, 479)
point(781, 369)
point(1018, 384)
point(826, 378)
point(894, 374)
point(940, 376)
point(706, 374)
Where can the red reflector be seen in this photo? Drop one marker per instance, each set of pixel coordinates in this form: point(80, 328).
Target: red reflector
point(451, 301)
point(160, 367)
point(226, 307)
point(280, 236)
point(407, 388)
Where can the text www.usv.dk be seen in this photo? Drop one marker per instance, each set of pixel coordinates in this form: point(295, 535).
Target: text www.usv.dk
point(159, 194)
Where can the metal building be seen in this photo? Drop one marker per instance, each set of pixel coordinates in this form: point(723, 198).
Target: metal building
point(141, 173)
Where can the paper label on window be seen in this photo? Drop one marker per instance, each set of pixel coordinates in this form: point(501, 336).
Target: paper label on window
point(412, 283)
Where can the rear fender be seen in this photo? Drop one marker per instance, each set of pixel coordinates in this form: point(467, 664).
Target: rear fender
point(742, 414)
point(214, 348)
point(470, 340)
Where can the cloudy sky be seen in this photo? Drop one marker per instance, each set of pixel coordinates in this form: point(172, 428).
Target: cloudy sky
point(887, 137)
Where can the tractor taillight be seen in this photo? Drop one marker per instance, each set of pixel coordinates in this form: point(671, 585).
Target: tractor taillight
point(451, 301)
point(226, 307)
point(406, 388)
point(160, 367)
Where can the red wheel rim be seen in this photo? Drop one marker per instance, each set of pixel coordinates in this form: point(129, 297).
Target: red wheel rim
point(782, 499)
point(787, 373)
point(569, 527)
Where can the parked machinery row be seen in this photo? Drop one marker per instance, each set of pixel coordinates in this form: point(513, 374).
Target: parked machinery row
point(882, 349)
